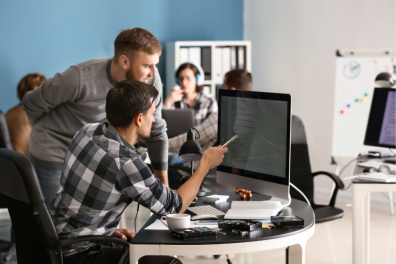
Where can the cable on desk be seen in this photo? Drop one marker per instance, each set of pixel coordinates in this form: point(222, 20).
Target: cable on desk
point(289, 197)
point(228, 260)
point(298, 190)
point(351, 177)
point(349, 163)
point(137, 211)
point(361, 155)
point(347, 178)
point(306, 199)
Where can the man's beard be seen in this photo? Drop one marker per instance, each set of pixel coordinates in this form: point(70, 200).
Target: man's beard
point(130, 76)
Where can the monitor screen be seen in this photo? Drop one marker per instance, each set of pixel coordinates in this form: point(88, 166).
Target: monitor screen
point(262, 123)
point(381, 127)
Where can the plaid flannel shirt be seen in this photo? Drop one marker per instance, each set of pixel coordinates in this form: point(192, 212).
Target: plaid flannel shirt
point(204, 106)
point(100, 178)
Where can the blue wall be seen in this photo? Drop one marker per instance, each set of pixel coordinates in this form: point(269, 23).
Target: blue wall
point(49, 36)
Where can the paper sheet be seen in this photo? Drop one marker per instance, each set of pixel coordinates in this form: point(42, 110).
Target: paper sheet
point(158, 225)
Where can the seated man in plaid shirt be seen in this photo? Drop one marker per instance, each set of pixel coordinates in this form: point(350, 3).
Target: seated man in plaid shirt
point(103, 174)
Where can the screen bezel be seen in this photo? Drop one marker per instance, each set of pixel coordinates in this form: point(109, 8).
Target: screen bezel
point(372, 119)
point(266, 96)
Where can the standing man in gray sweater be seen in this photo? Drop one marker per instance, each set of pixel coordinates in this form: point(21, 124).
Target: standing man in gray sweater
point(77, 96)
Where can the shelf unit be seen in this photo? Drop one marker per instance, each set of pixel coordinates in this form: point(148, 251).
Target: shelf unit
point(173, 60)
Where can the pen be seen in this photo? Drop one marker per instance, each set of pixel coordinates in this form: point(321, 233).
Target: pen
point(229, 141)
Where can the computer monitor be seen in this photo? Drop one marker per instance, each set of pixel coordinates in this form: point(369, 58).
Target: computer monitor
point(259, 159)
point(381, 127)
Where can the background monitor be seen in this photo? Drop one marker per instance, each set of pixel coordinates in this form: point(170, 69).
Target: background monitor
point(259, 159)
point(381, 127)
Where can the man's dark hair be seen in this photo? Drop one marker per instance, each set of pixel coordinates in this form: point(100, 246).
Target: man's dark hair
point(130, 41)
point(239, 79)
point(29, 83)
point(198, 88)
point(128, 99)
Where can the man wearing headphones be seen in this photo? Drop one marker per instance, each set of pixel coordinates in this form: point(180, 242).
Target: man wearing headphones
point(233, 80)
point(190, 77)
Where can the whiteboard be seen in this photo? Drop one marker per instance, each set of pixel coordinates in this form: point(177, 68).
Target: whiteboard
point(354, 89)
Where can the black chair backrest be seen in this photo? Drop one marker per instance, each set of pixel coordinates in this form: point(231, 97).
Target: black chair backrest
point(300, 166)
point(33, 227)
point(5, 141)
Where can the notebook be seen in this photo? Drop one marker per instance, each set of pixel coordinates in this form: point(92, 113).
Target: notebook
point(251, 210)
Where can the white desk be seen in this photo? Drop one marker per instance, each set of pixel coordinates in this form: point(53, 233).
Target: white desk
point(161, 242)
point(361, 216)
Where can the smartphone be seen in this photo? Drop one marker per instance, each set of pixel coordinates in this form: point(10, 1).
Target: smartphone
point(206, 222)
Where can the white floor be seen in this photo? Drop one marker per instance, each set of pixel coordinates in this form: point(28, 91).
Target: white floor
point(331, 243)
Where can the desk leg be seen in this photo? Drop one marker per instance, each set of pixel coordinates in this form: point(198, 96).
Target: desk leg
point(296, 254)
point(138, 251)
point(361, 223)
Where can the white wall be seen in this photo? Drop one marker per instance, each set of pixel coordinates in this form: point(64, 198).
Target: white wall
point(293, 50)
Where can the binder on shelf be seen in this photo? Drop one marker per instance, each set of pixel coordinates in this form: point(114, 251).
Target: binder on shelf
point(206, 62)
point(234, 58)
point(194, 55)
point(226, 61)
point(241, 57)
point(217, 68)
point(206, 90)
point(184, 55)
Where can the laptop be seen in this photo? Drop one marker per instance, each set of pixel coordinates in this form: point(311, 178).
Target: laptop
point(178, 121)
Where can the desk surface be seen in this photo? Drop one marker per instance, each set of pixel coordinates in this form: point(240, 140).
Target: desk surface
point(297, 207)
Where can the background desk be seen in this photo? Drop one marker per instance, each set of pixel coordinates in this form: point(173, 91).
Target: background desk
point(361, 216)
point(160, 242)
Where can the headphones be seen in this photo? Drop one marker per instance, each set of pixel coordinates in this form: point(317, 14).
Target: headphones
point(200, 76)
point(387, 168)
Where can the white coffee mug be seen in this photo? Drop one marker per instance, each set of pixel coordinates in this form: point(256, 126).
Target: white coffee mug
point(176, 221)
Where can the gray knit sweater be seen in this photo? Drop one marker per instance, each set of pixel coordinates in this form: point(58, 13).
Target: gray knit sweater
point(72, 99)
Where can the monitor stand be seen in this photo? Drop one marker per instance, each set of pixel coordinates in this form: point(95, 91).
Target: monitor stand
point(284, 202)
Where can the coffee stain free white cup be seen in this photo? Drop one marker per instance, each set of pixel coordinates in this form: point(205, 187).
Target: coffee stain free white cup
point(176, 221)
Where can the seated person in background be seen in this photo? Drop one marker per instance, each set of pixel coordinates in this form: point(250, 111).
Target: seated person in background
point(17, 121)
point(233, 80)
point(190, 94)
point(103, 174)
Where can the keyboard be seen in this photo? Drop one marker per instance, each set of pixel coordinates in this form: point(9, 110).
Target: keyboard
point(206, 209)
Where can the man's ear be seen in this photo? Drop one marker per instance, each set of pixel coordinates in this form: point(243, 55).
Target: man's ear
point(125, 63)
point(138, 119)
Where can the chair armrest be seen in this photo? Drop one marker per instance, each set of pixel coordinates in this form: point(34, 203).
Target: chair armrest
point(338, 182)
point(340, 185)
point(65, 242)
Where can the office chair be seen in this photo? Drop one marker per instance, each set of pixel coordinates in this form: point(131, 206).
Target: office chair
point(7, 247)
point(35, 234)
point(5, 141)
point(302, 176)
